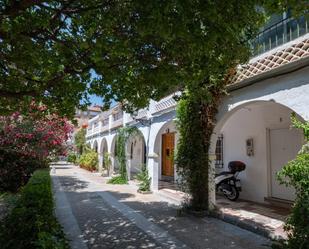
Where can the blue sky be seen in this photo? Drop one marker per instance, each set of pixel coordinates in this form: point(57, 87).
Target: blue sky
point(95, 100)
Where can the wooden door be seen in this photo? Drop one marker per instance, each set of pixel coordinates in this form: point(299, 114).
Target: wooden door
point(168, 146)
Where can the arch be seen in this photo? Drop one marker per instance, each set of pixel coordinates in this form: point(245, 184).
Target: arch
point(136, 153)
point(113, 154)
point(95, 146)
point(248, 130)
point(168, 127)
point(103, 146)
point(102, 150)
point(224, 115)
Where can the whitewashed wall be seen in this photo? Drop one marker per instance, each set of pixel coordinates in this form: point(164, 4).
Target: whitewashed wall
point(253, 121)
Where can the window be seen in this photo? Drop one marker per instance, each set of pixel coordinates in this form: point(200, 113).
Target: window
point(117, 116)
point(219, 152)
point(105, 121)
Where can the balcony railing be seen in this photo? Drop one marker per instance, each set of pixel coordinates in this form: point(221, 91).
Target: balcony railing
point(117, 123)
point(279, 33)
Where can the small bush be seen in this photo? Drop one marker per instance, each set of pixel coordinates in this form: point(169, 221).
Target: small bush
point(296, 174)
point(15, 170)
point(32, 224)
point(118, 180)
point(89, 160)
point(107, 163)
point(72, 158)
point(144, 180)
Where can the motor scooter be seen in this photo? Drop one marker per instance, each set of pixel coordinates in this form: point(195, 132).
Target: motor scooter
point(227, 182)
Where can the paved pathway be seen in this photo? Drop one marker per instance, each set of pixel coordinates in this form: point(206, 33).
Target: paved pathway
point(98, 215)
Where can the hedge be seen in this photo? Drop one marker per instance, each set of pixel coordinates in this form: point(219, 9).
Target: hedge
point(32, 223)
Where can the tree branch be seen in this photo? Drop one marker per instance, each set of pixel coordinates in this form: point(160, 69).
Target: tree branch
point(18, 95)
point(17, 7)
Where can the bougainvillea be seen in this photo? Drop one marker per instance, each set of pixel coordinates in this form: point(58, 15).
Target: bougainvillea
point(38, 135)
point(28, 142)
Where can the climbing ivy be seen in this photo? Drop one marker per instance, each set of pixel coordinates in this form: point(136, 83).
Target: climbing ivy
point(196, 113)
point(123, 135)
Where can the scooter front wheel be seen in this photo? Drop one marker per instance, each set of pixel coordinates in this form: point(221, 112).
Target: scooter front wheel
point(233, 195)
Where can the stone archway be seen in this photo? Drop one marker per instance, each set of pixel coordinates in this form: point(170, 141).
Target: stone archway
point(113, 155)
point(102, 151)
point(95, 146)
point(136, 153)
point(259, 134)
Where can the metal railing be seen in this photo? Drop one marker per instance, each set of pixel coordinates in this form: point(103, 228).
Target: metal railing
point(279, 33)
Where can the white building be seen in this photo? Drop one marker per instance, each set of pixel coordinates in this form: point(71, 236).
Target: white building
point(253, 120)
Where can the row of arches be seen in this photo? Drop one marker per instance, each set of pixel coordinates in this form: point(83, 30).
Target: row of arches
point(253, 125)
point(265, 123)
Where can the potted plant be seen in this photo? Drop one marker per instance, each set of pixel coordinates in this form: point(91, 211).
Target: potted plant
point(144, 181)
point(107, 163)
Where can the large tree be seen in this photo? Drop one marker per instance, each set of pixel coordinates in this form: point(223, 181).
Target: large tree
point(57, 52)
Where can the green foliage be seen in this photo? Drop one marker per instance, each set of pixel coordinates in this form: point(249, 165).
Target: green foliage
point(51, 50)
point(107, 163)
point(72, 157)
point(80, 140)
point(89, 160)
point(296, 174)
point(123, 135)
point(32, 224)
point(192, 157)
point(15, 170)
point(144, 179)
point(304, 126)
point(118, 180)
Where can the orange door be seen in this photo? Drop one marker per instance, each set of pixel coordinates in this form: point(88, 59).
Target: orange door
point(168, 145)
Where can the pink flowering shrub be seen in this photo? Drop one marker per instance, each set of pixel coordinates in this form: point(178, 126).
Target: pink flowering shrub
point(28, 142)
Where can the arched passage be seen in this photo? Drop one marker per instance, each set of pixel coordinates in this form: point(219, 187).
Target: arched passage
point(258, 133)
point(102, 152)
point(164, 146)
point(136, 153)
point(114, 161)
point(95, 146)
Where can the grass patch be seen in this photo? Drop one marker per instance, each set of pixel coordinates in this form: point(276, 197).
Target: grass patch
point(118, 180)
point(31, 223)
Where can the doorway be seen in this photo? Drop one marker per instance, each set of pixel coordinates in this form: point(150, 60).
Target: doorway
point(284, 146)
point(168, 147)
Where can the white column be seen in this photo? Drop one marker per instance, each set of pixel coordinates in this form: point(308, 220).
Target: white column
point(110, 121)
point(128, 165)
point(153, 171)
point(100, 125)
point(100, 162)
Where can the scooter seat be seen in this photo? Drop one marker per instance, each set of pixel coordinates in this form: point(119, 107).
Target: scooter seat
point(223, 173)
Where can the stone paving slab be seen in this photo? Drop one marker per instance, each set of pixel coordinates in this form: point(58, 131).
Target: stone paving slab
point(105, 216)
point(265, 220)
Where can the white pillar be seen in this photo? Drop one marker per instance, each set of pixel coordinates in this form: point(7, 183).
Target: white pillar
point(153, 171)
point(110, 121)
point(100, 162)
point(128, 166)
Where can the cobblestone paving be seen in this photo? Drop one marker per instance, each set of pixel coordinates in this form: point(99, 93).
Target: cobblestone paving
point(114, 216)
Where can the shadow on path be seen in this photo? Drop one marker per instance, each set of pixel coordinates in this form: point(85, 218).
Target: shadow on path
point(104, 226)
